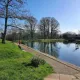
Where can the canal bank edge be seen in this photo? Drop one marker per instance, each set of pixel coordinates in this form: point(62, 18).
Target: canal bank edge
point(62, 62)
point(38, 54)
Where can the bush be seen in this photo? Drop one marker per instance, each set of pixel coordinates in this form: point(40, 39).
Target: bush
point(37, 61)
point(4, 76)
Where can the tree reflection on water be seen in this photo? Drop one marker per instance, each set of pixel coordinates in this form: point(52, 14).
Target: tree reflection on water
point(46, 47)
point(66, 51)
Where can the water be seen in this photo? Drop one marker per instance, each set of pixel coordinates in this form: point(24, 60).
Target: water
point(69, 52)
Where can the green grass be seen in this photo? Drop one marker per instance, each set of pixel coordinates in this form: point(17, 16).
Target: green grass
point(12, 67)
point(52, 40)
point(46, 40)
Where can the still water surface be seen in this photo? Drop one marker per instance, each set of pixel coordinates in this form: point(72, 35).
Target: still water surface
point(69, 52)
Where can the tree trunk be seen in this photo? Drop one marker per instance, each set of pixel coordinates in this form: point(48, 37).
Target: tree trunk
point(6, 19)
point(51, 32)
point(44, 32)
point(48, 32)
point(31, 32)
point(5, 30)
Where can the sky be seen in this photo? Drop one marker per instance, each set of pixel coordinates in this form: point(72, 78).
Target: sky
point(67, 12)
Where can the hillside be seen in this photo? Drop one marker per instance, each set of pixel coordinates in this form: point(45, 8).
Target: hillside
point(14, 64)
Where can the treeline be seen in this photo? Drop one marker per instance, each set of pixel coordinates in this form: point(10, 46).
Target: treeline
point(14, 11)
point(46, 28)
point(71, 36)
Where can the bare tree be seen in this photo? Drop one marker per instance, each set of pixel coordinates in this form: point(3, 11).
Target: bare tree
point(31, 24)
point(10, 9)
point(42, 27)
point(54, 27)
point(47, 26)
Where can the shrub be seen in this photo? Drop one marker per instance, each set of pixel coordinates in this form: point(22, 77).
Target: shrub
point(4, 76)
point(37, 61)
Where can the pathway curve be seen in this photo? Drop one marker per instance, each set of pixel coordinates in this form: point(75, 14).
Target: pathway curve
point(60, 77)
point(59, 66)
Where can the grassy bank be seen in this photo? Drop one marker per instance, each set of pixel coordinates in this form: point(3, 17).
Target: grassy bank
point(12, 65)
point(45, 40)
point(52, 40)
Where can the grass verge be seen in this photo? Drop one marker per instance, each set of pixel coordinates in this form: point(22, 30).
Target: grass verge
point(52, 40)
point(12, 67)
point(43, 40)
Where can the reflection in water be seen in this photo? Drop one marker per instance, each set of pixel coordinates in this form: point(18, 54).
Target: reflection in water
point(68, 45)
point(69, 52)
point(32, 45)
point(54, 50)
point(49, 48)
point(76, 47)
